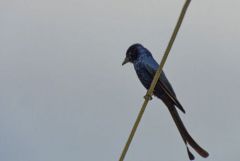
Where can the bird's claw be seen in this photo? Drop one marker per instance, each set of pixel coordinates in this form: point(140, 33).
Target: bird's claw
point(147, 96)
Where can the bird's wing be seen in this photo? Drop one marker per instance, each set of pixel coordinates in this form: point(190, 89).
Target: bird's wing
point(151, 66)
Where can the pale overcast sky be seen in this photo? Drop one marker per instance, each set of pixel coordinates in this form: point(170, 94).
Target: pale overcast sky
point(64, 95)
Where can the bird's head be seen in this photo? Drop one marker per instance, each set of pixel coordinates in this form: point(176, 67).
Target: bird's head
point(132, 53)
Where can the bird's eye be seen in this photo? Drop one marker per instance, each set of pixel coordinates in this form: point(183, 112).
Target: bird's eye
point(129, 54)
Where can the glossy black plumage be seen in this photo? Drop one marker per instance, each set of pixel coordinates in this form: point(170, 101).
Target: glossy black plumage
point(145, 67)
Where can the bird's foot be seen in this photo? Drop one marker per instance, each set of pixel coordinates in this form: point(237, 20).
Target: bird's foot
point(147, 96)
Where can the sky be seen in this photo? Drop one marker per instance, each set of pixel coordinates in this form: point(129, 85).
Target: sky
point(64, 94)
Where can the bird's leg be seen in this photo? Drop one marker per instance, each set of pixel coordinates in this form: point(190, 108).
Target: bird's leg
point(147, 96)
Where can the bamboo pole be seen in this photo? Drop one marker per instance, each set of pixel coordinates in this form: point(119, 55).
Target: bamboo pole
point(149, 93)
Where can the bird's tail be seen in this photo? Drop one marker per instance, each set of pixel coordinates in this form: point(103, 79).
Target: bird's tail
point(184, 133)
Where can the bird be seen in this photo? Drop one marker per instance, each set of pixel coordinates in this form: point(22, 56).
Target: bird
point(146, 67)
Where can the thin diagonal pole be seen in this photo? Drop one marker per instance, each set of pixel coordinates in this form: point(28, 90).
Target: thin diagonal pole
point(155, 79)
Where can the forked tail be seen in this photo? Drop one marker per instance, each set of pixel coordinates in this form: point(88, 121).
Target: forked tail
point(184, 133)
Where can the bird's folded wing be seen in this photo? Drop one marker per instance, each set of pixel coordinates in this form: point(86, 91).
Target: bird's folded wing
point(165, 86)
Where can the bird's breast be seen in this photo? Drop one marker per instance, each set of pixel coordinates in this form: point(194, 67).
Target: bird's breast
point(143, 75)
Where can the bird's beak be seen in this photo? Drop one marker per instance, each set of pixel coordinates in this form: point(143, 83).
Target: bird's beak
point(126, 60)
